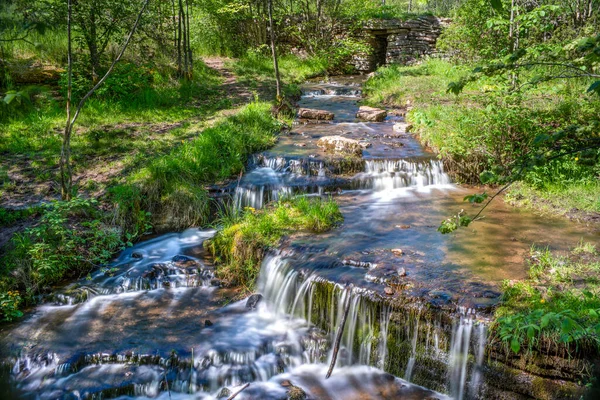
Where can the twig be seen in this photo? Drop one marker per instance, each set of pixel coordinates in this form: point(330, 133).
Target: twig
point(338, 337)
point(238, 392)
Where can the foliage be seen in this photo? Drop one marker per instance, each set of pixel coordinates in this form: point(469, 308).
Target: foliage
point(69, 240)
point(9, 305)
point(243, 238)
point(558, 303)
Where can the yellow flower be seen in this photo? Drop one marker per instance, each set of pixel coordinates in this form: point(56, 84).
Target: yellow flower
point(576, 158)
point(542, 301)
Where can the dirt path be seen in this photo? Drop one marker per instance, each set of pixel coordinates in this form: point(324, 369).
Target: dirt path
point(236, 92)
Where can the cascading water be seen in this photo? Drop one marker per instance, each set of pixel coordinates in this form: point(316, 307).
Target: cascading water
point(154, 324)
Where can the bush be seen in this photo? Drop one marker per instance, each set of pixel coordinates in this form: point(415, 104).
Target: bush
point(70, 239)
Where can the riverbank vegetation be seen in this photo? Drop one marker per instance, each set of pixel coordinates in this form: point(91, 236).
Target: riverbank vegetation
point(515, 101)
point(557, 305)
point(245, 236)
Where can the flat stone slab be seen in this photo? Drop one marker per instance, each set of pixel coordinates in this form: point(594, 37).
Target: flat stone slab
point(342, 144)
point(310, 113)
point(371, 114)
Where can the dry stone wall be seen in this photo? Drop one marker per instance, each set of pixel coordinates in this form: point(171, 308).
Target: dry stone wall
point(394, 41)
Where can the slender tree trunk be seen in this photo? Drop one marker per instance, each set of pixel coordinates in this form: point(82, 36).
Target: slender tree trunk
point(66, 176)
point(65, 154)
point(179, 65)
point(274, 51)
point(189, 45)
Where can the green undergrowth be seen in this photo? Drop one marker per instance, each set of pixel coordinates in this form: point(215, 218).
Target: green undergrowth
point(557, 306)
point(244, 237)
point(484, 128)
point(68, 241)
point(172, 187)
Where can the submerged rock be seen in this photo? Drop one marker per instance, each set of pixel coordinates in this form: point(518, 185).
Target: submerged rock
point(341, 144)
point(253, 301)
point(371, 114)
point(320, 115)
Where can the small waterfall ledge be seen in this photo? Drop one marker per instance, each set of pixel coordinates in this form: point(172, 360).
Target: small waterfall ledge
point(446, 349)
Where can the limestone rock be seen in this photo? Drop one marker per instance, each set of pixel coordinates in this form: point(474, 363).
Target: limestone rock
point(400, 127)
point(397, 252)
point(341, 144)
point(320, 115)
point(371, 114)
point(253, 301)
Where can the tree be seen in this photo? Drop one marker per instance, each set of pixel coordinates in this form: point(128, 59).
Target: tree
point(66, 175)
point(274, 51)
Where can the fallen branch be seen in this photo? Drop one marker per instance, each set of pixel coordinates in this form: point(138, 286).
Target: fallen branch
point(238, 392)
point(338, 337)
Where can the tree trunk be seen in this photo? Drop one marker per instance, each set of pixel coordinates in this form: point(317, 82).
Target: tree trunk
point(66, 177)
point(274, 51)
point(65, 154)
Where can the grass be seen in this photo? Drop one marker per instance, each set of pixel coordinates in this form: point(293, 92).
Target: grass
point(244, 238)
point(557, 306)
point(256, 71)
point(172, 186)
point(576, 200)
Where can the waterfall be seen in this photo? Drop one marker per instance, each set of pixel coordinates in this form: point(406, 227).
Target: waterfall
point(383, 175)
point(413, 353)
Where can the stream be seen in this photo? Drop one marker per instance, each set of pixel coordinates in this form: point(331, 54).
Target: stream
point(158, 325)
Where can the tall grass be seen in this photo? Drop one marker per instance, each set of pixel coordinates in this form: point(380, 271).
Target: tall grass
point(171, 187)
point(240, 245)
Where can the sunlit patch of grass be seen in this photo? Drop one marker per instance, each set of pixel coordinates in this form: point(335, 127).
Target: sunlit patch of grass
point(244, 237)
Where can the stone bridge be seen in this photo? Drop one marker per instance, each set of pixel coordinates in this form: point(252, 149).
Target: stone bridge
point(397, 41)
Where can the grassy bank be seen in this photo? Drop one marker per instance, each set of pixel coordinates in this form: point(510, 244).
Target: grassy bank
point(487, 129)
point(557, 305)
point(172, 186)
point(243, 239)
point(255, 70)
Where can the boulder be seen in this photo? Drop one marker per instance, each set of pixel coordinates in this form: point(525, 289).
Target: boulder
point(371, 114)
point(342, 144)
point(320, 115)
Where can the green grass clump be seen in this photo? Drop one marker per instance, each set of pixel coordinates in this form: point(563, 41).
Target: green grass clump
point(172, 187)
point(240, 245)
point(68, 241)
point(557, 306)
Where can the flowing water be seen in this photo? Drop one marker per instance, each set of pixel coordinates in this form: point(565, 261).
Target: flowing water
point(156, 324)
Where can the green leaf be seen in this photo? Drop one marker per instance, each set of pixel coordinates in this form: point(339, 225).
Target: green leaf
point(497, 5)
point(546, 320)
point(593, 313)
point(515, 346)
point(541, 138)
point(530, 332)
point(10, 96)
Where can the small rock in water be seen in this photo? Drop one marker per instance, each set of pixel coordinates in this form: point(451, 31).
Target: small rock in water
point(309, 113)
point(401, 272)
point(224, 393)
point(183, 261)
point(397, 252)
point(403, 226)
point(215, 282)
point(388, 290)
point(286, 383)
point(253, 301)
point(137, 255)
point(371, 114)
point(208, 323)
